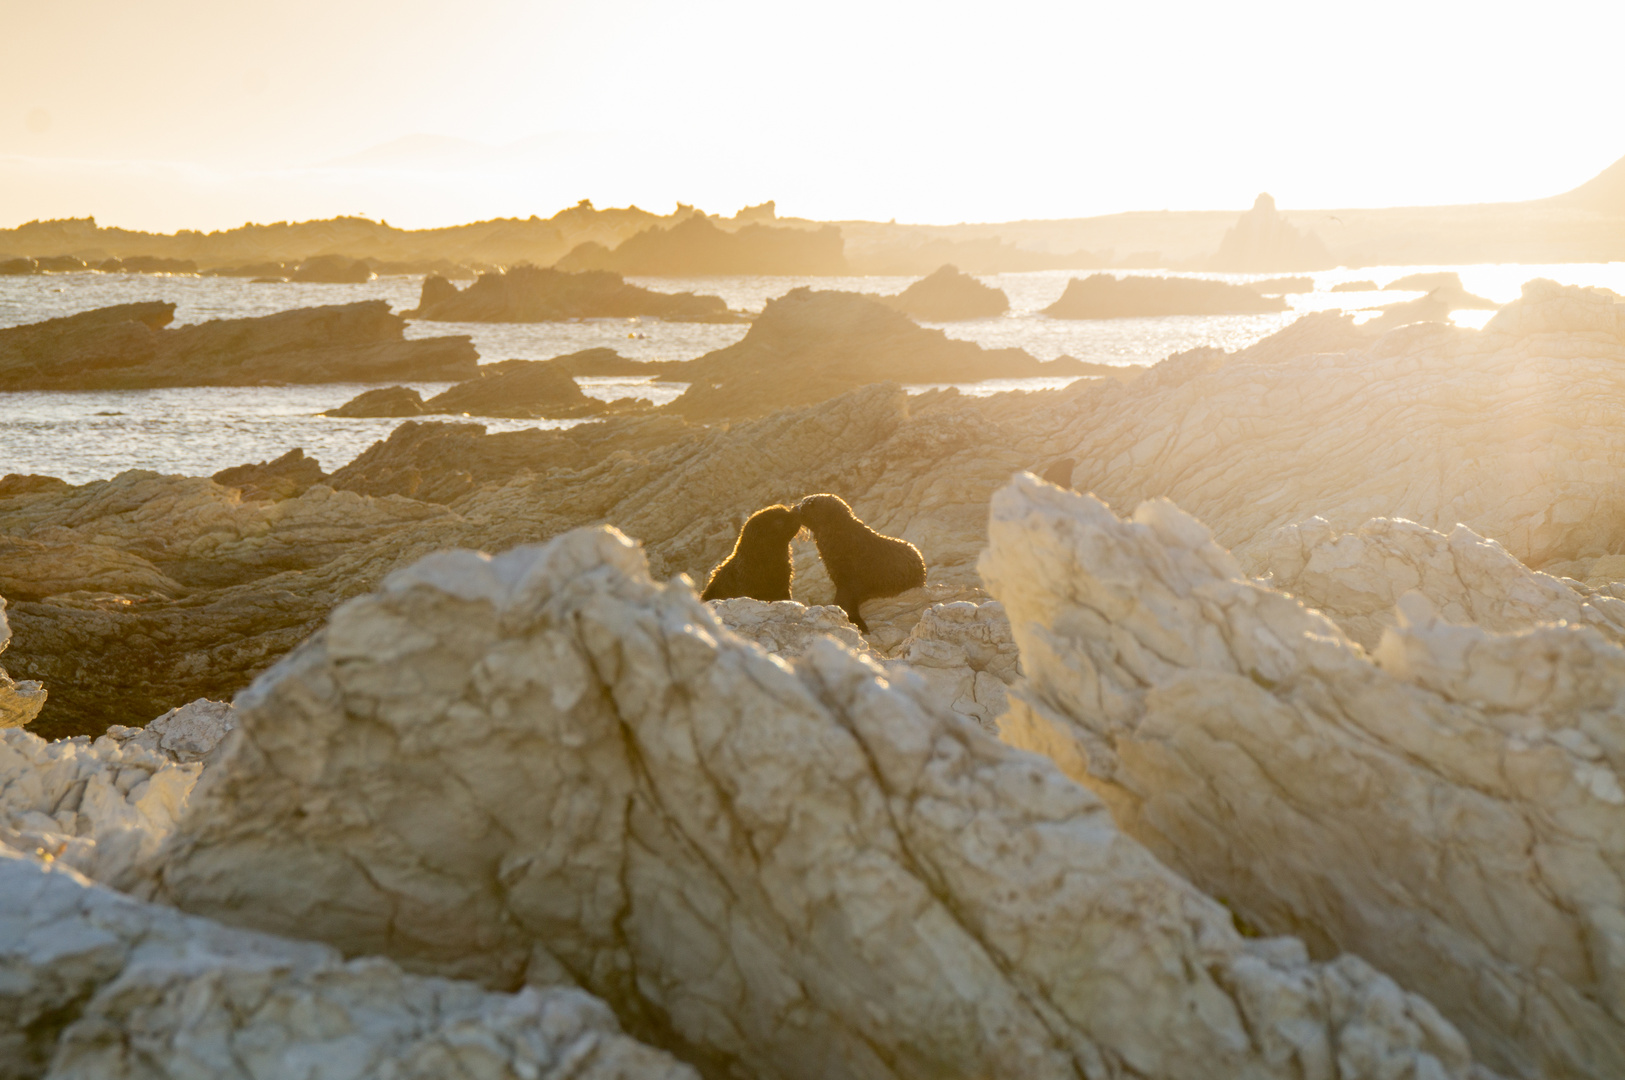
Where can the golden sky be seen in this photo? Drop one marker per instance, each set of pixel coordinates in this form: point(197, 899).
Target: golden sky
point(178, 113)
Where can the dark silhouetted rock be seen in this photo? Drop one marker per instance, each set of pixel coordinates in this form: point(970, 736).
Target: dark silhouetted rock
point(697, 246)
point(807, 346)
point(946, 295)
point(1355, 286)
point(129, 347)
point(531, 294)
point(290, 475)
point(1425, 282)
point(259, 270)
point(518, 389)
point(1262, 241)
point(17, 267)
point(1283, 285)
point(332, 270)
point(147, 264)
point(387, 401)
point(58, 264)
point(1103, 296)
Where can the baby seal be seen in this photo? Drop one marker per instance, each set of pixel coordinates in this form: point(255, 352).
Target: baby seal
point(760, 565)
point(862, 564)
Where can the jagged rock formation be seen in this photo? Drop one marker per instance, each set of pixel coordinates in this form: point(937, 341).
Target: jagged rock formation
point(1358, 577)
point(531, 294)
point(527, 389)
point(946, 295)
point(696, 246)
point(786, 628)
point(188, 733)
point(95, 985)
point(385, 401)
point(783, 870)
point(289, 475)
point(128, 347)
point(1262, 241)
point(1106, 296)
point(100, 808)
point(808, 346)
point(1451, 812)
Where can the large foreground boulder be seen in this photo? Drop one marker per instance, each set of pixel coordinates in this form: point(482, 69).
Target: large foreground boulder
point(533, 294)
point(808, 346)
point(95, 985)
point(545, 767)
point(131, 347)
point(1106, 296)
point(1450, 809)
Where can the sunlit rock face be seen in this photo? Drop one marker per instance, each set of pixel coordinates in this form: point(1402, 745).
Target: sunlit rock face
point(95, 985)
point(546, 767)
point(1449, 810)
point(947, 295)
point(20, 702)
point(1512, 431)
point(1357, 578)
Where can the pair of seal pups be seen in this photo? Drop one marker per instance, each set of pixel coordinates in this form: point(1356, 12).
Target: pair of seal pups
point(862, 564)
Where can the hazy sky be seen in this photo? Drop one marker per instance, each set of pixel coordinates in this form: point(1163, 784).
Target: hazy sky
point(178, 113)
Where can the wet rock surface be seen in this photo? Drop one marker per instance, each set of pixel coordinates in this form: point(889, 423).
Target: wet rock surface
point(131, 346)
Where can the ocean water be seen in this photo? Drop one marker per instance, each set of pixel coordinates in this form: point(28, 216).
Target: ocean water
point(88, 435)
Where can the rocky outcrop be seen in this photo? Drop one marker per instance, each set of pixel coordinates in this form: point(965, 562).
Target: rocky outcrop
point(385, 401)
point(131, 347)
point(568, 772)
point(95, 985)
point(1426, 282)
point(1106, 296)
point(20, 702)
point(808, 346)
point(1509, 430)
point(1450, 810)
point(946, 295)
point(695, 247)
point(332, 270)
point(1263, 240)
point(524, 389)
point(1436, 306)
point(100, 808)
point(530, 294)
point(1358, 577)
point(191, 732)
point(1354, 286)
point(289, 475)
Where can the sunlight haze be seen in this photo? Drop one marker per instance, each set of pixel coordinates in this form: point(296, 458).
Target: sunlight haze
point(180, 114)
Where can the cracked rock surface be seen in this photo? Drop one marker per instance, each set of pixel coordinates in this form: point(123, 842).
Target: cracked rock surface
point(1449, 810)
point(544, 767)
point(95, 985)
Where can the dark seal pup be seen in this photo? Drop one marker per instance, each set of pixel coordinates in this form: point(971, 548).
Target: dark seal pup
point(760, 565)
point(862, 564)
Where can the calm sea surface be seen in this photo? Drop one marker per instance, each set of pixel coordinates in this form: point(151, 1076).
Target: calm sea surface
point(88, 435)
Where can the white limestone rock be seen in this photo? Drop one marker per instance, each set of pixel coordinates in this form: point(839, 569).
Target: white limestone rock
point(965, 653)
point(544, 766)
point(20, 702)
point(1451, 813)
point(191, 732)
point(786, 628)
point(100, 808)
point(95, 985)
point(1357, 577)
